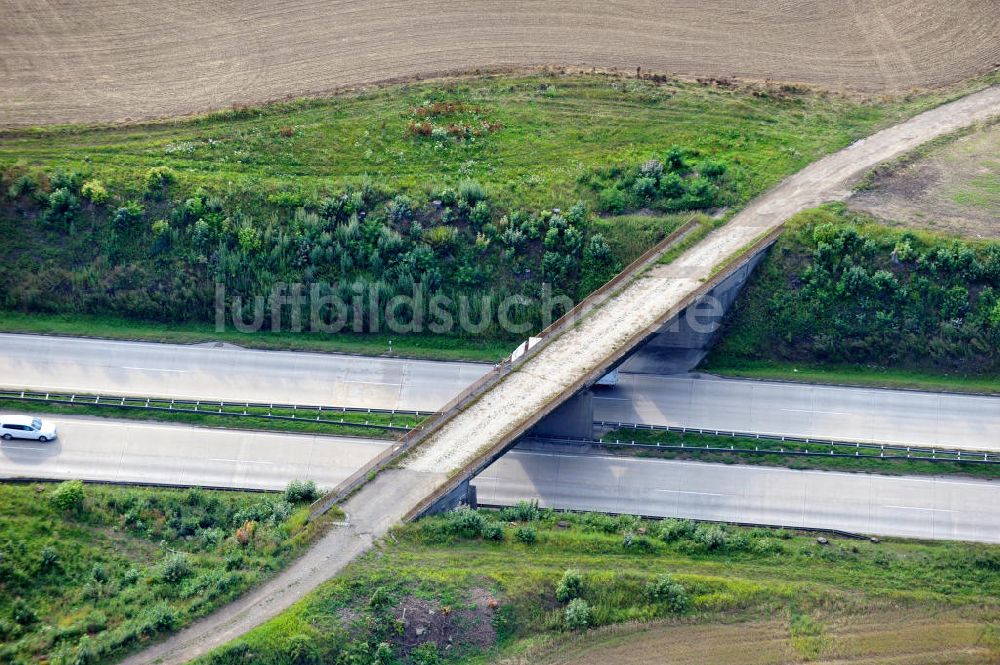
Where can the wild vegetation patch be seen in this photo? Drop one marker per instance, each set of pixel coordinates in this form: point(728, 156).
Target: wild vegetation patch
point(143, 222)
point(90, 572)
point(587, 571)
point(839, 288)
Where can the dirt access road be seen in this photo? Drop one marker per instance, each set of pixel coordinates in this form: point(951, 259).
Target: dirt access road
point(67, 61)
point(380, 503)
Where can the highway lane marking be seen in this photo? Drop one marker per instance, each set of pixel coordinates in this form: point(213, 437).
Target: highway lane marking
point(238, 461)
point(698, 493)
point(931, 510)
point(157, 369)
point(830, 413)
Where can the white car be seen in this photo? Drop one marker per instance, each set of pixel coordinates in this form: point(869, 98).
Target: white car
point(26, 427)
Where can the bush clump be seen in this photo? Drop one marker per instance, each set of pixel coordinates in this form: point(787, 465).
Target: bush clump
point(95, 191)
point(63, 207)
point(68, 496)
point(665, 590)
point(577, 614)
point(526, 534)
point(175, 569)
point(159, 178)
point(570, 586)
point(299, 491)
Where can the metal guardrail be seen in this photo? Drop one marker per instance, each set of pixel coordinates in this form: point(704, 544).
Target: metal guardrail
point(217, 408)
point(418, 434)
point(900, 453)
point(970, 455)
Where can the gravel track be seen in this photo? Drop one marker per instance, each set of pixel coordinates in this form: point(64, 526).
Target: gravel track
point(394, 492)
point(108, 61)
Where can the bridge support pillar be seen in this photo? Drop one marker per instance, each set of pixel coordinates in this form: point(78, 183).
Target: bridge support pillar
point(683, 343)
point(463, 495)
point(574, 418)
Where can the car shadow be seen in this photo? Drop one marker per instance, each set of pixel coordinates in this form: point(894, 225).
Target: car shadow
point(23, 452)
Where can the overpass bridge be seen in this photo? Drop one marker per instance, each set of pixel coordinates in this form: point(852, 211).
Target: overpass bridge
point(486, 419)
point(430, 465)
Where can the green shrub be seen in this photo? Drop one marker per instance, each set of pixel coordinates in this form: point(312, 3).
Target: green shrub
point(159, 178)
point(612, 200)
point(160, 227)
point(480, 214)
point(95, 191)
point(441, 238)
point(570, 586)
point(466, 522)
point(577, 614)
point(130, 577)
point(666, 591)
point(85, 654)
point(158, 618)
point(63, 207)
point(175, 569)
point(526, 534)
point(303, 650)
point(671, 186)
point(712, 169)
point(49, 558)
point(127, 216)
point(674, 160)
point(471, 192)
point(299, 491)
point(644, 188)
point(711, 537)
point(426, 654)
point(23, 614)
point(674, 529)
point(522, 511)
point(68, 496)
point(99, 573)
point(23, 186)
point(400, 209)
point(493, 531)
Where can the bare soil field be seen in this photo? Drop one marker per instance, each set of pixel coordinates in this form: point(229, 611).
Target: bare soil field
point(65, 61)
point(896, 637)
point(954, 188)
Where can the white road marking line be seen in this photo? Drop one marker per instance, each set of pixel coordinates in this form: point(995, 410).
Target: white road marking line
point(25, 448)
point(831, 413)
point(238, 461)
point(698, 493)
point(157, 369)
point(931, 510)
point(616, 399)
point(374, 383)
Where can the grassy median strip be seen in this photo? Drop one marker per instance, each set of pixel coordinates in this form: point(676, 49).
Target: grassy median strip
point(348, 423)
point(743, 450)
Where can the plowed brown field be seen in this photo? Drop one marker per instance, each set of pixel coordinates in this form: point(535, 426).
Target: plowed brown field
point(104, 60)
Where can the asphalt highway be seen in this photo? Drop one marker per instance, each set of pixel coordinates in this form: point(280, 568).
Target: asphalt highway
point(229, 373)
point(157, 453)
point(793, 409)
point(206, 371)
point(123, 451)
point(926, 508)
